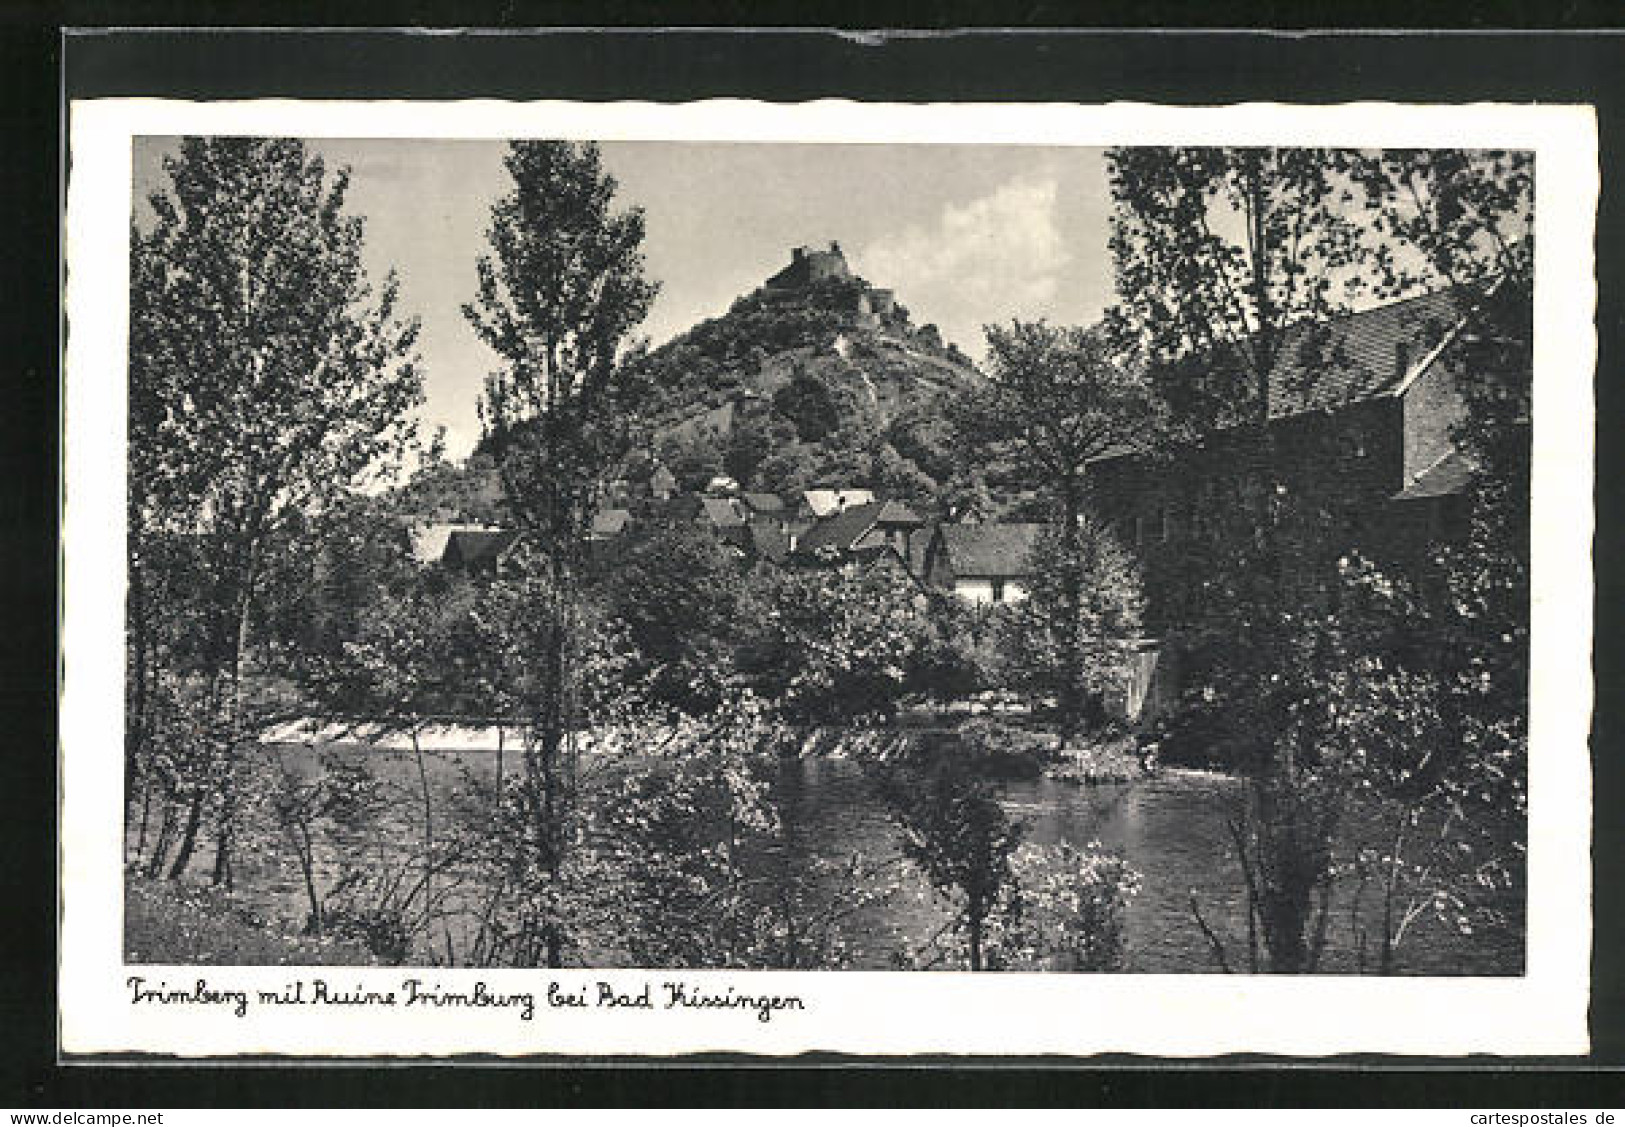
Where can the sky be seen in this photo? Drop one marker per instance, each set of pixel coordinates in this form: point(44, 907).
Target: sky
point(965, 234)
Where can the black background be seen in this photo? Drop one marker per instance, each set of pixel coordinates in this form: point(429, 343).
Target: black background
point(39, 63)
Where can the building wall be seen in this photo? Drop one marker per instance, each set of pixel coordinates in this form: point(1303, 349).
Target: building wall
point(981, 590)
point(1433, 405)
point(822, 265)
point(1339, 470)
point(1150, 686)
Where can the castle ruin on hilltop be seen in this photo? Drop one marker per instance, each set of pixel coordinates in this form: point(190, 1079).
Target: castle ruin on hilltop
point(810, 266)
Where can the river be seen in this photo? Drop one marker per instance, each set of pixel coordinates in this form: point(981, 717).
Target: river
point(1170, 827)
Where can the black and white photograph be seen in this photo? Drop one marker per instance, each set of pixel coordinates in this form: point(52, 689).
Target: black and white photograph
point(1053, 562)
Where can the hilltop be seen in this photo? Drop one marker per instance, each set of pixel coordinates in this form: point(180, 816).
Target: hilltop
point(816, 377)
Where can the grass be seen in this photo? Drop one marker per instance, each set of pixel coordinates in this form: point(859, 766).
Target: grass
point(175, 922)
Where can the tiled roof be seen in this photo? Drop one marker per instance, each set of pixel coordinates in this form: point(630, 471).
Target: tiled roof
point(610, 522)
point(1447, 477)
point(895, 512)
point(990, 550)
point(684, 506)
point(428, 542)
point(840, 531)
point(1359, 356)
point(471, 547)
point(768, 541)
point(823, 502)
point(724, 512)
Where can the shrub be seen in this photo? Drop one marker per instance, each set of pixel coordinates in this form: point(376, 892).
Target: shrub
point(1065, 911)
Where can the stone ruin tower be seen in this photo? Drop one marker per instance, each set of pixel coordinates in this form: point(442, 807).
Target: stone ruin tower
point(809, 265)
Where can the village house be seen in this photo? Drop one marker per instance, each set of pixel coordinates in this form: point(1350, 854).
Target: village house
point(861, 533)
point(662, 483)
point(609, 523)
point(479, 553)
point(816, 504)
point(426, 540)
point(982, 563)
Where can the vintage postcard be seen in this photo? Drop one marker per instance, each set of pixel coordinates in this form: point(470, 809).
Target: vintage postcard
point(648, 579)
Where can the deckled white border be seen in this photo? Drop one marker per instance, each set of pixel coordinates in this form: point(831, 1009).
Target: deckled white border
point(872, 1013)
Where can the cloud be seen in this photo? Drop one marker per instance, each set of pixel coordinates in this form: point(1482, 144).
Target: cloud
point(993, 258)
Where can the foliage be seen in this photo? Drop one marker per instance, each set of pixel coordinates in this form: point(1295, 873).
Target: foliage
point(954, 829)
point(677, 836)
point(1054, 401)
point(677, 590)
point(811, 405)
point(173, 922)
point(717, 355)
point(1217, 252)
point(557, 300)
point(1069, 637)
point(322, 574)
point(467, 492)
point(1064, 910)
point(339, 800)
point(693, 456)
point(830, 646)
point(697, 865)
point(1325, 692)
point(265, 378)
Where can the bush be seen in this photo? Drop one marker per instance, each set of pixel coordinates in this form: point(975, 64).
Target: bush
point(1065, 911)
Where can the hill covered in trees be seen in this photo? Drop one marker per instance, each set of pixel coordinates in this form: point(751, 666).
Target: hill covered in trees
point(810, 379)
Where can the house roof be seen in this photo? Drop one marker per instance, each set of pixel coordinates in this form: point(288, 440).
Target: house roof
point(823, 502)
point(1447, 477)
point(1355, 357)
point(469, 547)
point(841, 530)
point(723, 512)
point(895, 512)
point(768, 541)
point(427, 542)
point(683, 506)
point(1361, 356)
point(610, 522)
point(878, 555)
point(764, 502)
point(990, 551)
point(662, 479)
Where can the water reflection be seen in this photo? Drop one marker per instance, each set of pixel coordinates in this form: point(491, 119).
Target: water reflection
point(1171, 828)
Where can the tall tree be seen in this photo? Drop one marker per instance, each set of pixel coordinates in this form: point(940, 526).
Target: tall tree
point(558, 297)
point(1217, 253)
point(266, 377)
point(1054, 401)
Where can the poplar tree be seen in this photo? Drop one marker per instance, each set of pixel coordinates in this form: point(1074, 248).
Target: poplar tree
point(559, 295)
point(267, 375)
